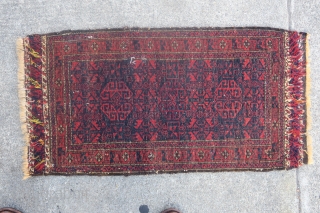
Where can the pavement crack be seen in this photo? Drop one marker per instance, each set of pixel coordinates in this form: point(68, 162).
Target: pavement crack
point(290, 10)
point(298, 190)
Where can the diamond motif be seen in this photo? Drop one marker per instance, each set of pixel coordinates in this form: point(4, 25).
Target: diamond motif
point(116, 101)
point(228, 99)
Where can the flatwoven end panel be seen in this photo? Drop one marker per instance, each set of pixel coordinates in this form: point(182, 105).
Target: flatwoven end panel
point(134, 101)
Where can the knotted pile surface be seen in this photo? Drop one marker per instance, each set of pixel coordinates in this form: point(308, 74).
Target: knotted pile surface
point(132, 101)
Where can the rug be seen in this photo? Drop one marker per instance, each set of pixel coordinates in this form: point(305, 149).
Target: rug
point(137, 101)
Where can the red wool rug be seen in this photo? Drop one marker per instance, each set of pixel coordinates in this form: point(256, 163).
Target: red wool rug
point(134, 101)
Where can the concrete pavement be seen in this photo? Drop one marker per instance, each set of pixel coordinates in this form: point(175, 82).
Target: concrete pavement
point(296, 190)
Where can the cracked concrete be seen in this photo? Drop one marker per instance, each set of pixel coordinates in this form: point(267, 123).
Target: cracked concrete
point(276, 191)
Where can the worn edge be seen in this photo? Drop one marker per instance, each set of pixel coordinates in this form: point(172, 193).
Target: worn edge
point(139, 29)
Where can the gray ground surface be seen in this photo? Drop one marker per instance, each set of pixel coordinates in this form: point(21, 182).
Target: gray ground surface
point(277, 191)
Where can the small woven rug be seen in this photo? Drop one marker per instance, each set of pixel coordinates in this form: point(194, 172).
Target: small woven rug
point(133, 101)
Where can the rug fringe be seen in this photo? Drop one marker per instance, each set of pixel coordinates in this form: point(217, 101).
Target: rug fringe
point(296, 96)
point(23, 105)
point(308, 103)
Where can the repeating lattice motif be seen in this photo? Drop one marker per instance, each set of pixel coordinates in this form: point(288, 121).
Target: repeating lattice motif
point(168, 100)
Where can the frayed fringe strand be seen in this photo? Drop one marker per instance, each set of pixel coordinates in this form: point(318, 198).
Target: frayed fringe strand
point(30, 85)
point(23, 105)
point(309, 150)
